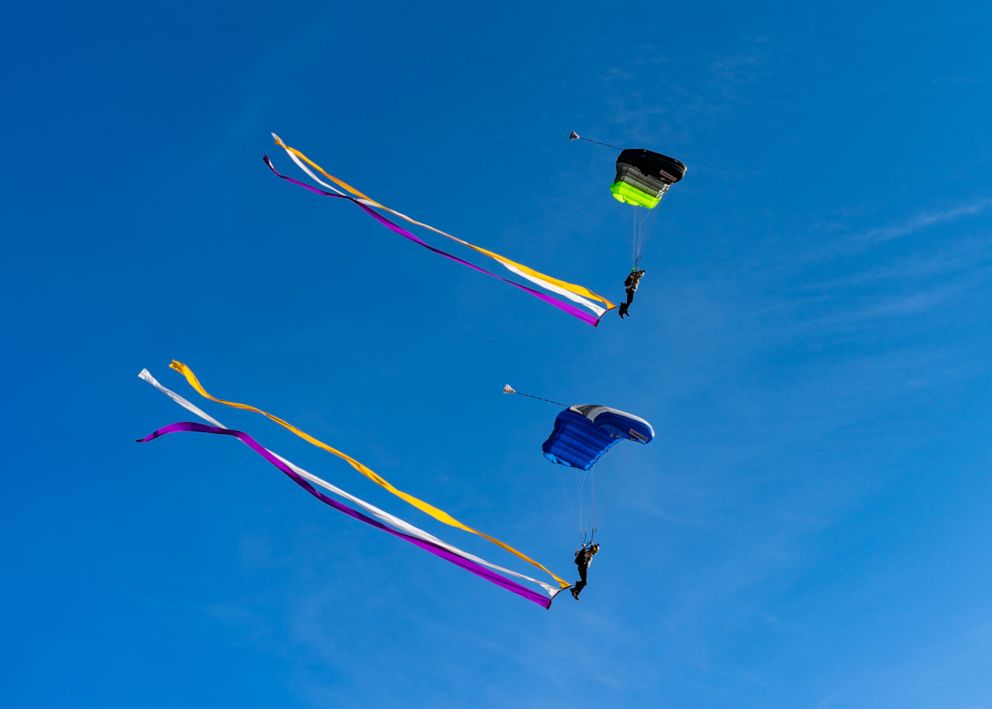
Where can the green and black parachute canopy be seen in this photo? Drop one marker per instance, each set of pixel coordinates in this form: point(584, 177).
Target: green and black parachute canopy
point(643, 177)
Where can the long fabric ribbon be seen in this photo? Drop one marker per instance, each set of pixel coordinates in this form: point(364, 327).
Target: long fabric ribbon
point(573, 292)
point(476, 569)
point(561, 305)
point(373, 511)
point(421, 505)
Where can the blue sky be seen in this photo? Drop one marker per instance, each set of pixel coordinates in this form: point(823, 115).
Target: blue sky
point(811, 342)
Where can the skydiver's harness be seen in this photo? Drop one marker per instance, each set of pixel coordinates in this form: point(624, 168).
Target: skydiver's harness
point(632, 281)
point(583, 560)
point(583, 557)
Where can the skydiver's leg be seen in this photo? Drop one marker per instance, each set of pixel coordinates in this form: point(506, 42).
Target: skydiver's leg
point(625, 307)
point(581, 583)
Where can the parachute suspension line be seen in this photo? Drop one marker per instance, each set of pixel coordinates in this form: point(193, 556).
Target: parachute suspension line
point(589, 537)
point(585, 496)
point(633, 241)
point(642, 232)
point(578, 501)
point(566, 495)
point(575, 136)
point(592, 501)
point(635, 244)
point(643, 221)
point(507, 389)
point(585, 492)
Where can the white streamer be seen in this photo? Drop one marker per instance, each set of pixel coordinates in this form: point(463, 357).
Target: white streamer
point(381, 515)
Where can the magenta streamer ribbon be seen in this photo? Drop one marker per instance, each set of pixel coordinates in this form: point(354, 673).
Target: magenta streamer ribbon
point(476, 569)
point(560, 304)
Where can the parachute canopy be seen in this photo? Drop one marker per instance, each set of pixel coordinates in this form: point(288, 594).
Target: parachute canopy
point(582, 434)
point(643, 177)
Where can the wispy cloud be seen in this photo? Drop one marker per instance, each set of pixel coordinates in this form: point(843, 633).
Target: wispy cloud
point(902, 304)
point(841, 240)
point(959, 257)
point(737, 68)
point(923, 221)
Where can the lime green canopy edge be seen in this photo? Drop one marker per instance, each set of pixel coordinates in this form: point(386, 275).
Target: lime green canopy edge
point(628, 194)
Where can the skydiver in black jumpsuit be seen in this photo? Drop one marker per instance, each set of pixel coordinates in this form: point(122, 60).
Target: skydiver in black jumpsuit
point(630, 285)
point(583, 558)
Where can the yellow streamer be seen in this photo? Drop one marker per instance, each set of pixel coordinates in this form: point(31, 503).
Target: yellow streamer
point(430, 509)
point(571, 287)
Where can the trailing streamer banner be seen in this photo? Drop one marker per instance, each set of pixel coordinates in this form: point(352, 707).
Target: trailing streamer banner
point(435, 549)
point(574, 292)
point(421, 505)
point(379, 514)
point(561, 305)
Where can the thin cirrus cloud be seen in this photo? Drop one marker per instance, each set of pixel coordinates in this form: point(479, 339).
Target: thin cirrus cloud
point(924, 221)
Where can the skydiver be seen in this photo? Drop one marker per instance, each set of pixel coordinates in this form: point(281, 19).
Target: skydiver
point(583, 558)
point(630, 285)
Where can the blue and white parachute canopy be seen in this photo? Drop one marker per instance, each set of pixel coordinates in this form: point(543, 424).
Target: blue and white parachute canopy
point(583, 433)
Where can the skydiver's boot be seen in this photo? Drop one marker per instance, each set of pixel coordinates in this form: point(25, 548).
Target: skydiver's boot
point(623, 310)
point(575, 592)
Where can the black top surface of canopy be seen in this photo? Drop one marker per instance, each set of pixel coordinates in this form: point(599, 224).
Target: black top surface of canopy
point(653, 164)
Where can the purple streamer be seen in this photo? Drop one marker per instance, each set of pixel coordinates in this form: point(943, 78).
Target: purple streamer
point(475, 568)
point(560, 304)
